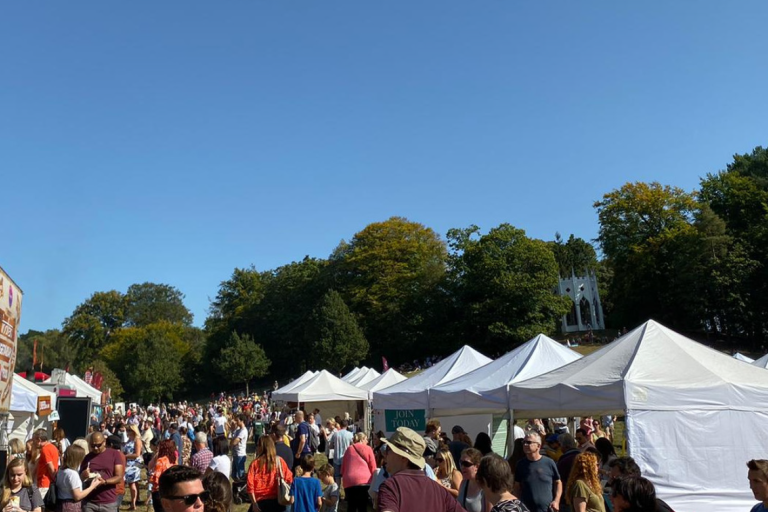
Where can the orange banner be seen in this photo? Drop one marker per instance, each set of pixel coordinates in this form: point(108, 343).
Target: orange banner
point(44, 406)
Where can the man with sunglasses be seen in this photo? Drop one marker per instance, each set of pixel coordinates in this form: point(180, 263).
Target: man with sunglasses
point(181, 489)
point(537, 481)
point(108, 464)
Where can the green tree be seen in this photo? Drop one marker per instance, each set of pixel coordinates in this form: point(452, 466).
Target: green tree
point(148, 360)
point(273, 305)
point(93, 324)
point(53, 351)
point(648, 238)
point(109, 380)
point(738, 195)
point(241, 361)
point(575, 255)
point(148, 303)
point(386, 274)
point(333, 335)
point(504, 284)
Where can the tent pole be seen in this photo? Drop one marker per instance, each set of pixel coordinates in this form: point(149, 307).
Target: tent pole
point(510, 427)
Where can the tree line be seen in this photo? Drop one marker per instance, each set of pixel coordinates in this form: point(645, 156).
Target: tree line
point(695, 261)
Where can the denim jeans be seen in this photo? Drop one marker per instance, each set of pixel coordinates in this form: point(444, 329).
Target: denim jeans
point(238, 471)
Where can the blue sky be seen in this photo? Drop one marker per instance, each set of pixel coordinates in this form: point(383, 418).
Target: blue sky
point(173, 141)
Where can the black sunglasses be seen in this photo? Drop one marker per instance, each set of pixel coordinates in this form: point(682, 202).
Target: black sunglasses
point(439, 460)
point(99, 445)
point(529, 442)
point(191, 499)
point(466, 464)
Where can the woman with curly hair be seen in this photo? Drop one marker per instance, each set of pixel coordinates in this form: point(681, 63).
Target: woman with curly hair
point(583, 492)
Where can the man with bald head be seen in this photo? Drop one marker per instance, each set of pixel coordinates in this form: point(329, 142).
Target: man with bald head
point(107, 463)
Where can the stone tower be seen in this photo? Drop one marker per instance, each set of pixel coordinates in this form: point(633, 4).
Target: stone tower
point(586, 310)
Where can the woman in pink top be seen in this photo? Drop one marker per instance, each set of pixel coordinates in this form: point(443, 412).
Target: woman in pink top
point(357, 468)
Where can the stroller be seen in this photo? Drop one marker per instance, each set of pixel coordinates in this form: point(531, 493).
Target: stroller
point(240, 492)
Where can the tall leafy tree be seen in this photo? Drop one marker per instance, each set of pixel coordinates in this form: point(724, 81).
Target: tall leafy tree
point(333, 335)
point(109, 380)
point(148, 303)
point(93, 324)
point(148, 360)
point(574, 255)
point(648, 237)
point(241, 361)
point(504, 284)
point(385, 274)
point(53, 351)
point(739, 196)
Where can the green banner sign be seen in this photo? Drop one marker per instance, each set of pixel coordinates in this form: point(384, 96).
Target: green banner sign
point(415, 419)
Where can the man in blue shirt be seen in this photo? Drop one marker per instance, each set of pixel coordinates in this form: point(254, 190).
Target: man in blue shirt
point(301, 441)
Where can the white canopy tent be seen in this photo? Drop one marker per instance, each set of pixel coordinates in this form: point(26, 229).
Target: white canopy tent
point(328, 393)
point(82, 388)
point(350, 373)
point(354, 374)
point(294, 383)
point(686, 406)
point(414, 392)
point(742, 357)
point(486, 388)
point(407, 403)
point(364, 377)
point(762, 362)
point(85, 389)
point(23, 419)
point(383, 381)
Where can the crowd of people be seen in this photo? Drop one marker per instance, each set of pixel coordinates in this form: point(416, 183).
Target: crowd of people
point(192, 458)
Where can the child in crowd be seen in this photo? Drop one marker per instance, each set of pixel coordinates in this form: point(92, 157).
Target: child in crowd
point(306, 494)
point(331, 492)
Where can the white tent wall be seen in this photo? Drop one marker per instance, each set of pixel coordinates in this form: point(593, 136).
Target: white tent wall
point(23, 424)
point(472, 424)
point(697, 459)
point(355, 408)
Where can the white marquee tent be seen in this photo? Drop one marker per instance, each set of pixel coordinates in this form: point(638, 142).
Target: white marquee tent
point(350, 373)
point(383, 381)
point(328, 393)
point(364, 377)
point(413, 393)
point(486, 388)
point(23, 419)
point(742, 357)
point(409, 400)
point(295, 382)
point(354, 373)
point(82, 388)
point(688, 411)
point(762, 362)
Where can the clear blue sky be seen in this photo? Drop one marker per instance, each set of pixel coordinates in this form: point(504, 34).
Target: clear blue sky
point(173, 141)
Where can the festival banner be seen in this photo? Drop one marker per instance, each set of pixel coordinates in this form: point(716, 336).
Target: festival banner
point(415, 419)
point(44, 406)
point(10, 316)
